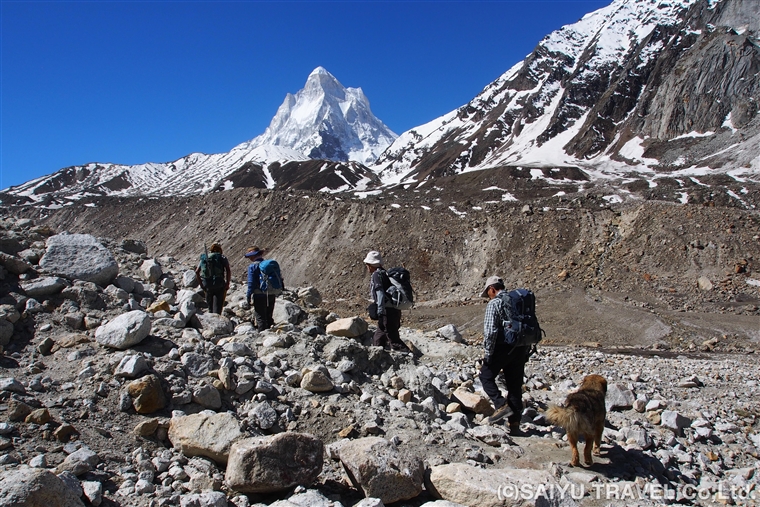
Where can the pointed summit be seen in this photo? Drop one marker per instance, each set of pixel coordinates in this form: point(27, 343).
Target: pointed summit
point(325, 120)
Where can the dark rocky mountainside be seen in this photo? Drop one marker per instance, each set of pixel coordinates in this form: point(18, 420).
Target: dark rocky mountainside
point(637, 84)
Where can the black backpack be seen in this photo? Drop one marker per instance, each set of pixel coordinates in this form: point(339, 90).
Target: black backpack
point(400, 293)
point(212, 270)
point(520, 324)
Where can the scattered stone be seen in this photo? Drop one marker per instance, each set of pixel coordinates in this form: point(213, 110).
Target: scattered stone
point(348, 328)
point(124, 331)
point(476, 402)
point(316, 382)
point(147, 394)
point(619, 397)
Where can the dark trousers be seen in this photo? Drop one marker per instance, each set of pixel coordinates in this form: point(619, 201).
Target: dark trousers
point(513, 366)
point(387, 335)
point(263, 309)
point(215, 299)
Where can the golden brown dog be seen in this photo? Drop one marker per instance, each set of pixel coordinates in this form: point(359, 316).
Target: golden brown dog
point(583, 415)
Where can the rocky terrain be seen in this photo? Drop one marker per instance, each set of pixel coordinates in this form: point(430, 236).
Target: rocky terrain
point(118, 388)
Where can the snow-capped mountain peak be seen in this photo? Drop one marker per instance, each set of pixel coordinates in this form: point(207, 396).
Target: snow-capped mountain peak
point(638, 86)
point(325, 120)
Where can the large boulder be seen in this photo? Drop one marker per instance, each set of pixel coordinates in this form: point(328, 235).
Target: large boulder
point(506, 487)
point(349, 328)
point(79, 257)
point(377, 467)
point(124, 331)
point(35, 487)
point(274, 463)
point(205, 434)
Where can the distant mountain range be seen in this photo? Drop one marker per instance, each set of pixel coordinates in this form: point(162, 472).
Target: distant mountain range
point(640, 99)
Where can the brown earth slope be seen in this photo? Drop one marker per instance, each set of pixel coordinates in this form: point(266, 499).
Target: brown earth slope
point(623, 276)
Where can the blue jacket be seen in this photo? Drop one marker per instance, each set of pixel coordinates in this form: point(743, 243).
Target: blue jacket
point(253, 280)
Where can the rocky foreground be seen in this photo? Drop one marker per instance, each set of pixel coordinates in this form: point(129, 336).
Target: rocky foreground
point(117, 387)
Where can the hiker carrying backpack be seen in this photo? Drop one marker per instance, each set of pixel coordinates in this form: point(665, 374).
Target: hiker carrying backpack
point(385, 306)
point(521, 328)
point(510, 331)
point(265, 283)
point(213, 273)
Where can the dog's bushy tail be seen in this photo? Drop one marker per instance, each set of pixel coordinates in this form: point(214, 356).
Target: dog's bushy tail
point(566, 417)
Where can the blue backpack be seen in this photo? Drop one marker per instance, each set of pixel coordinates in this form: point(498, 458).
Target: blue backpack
point(270, 278)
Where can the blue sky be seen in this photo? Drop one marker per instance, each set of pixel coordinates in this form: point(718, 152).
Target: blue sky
point(151, 81)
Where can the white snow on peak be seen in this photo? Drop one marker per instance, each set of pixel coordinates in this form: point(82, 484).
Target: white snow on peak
point(327, 120)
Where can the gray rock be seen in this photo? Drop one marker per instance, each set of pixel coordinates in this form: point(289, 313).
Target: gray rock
point(125, 283)
point(131, 366)
point(450, 332)
point(12, 385)
point(674, 421)
point(380, 470)
point(286, 312)
point(6, 332)
point(135, 246)
point(310, 296)
point(151, 270)
point(189, 279)
point(124, 331)
point(264, 414)
point(34, 487)
point(204, 499)
point(80, 462)
point(93, 491)
point(619, 397)
point(71, 482)
point(468, 485)
point(215, 324)
point(276, 463)
point(14, 265)
point(207, 396)
point(79, 257)
point(42, 287)
point(197, 365)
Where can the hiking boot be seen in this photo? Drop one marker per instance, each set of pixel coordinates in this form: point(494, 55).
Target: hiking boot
point(400, 347)
point(500, 413)
point(514, 430)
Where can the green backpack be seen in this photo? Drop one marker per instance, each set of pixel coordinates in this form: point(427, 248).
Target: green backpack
point(212, 270)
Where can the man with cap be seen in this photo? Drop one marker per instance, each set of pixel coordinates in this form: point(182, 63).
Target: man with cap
point(263, 303)
point(388, 319)
point(500, 357)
